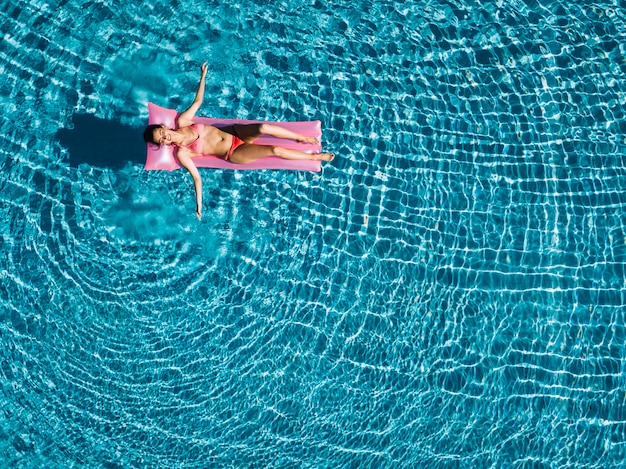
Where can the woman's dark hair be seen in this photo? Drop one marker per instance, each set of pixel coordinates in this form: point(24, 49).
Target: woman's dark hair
point(148, 134)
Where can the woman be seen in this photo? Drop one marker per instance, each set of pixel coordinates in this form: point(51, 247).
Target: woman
point(233, 143)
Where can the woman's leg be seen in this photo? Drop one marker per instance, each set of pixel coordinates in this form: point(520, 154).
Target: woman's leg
point(249, 152)
point(249, 132)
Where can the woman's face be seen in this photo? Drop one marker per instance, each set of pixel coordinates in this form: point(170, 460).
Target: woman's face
point(162, 136)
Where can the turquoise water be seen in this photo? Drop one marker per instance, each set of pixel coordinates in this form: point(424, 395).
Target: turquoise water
point(449, 292)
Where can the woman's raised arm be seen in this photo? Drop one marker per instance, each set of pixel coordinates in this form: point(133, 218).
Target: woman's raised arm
point(185, 117)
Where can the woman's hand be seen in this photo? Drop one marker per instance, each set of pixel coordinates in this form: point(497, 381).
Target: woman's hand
point(204, 67)
point(199, 213)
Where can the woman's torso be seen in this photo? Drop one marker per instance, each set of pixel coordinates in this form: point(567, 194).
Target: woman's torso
point(206, 140)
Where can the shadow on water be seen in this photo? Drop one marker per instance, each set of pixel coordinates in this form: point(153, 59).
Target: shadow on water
point(141, 213)
point(102, 143)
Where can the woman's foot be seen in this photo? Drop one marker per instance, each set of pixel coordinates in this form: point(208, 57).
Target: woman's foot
point(311, 140)
point(326, 156)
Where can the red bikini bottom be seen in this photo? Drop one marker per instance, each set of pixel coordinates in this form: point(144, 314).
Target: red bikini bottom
point(237, 142)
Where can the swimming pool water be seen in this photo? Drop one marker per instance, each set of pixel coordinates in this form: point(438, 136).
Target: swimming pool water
point(449, 292)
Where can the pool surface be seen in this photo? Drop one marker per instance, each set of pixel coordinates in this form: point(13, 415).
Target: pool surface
point(449, 292)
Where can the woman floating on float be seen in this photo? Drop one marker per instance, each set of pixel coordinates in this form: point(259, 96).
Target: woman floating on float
point(232, 143)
